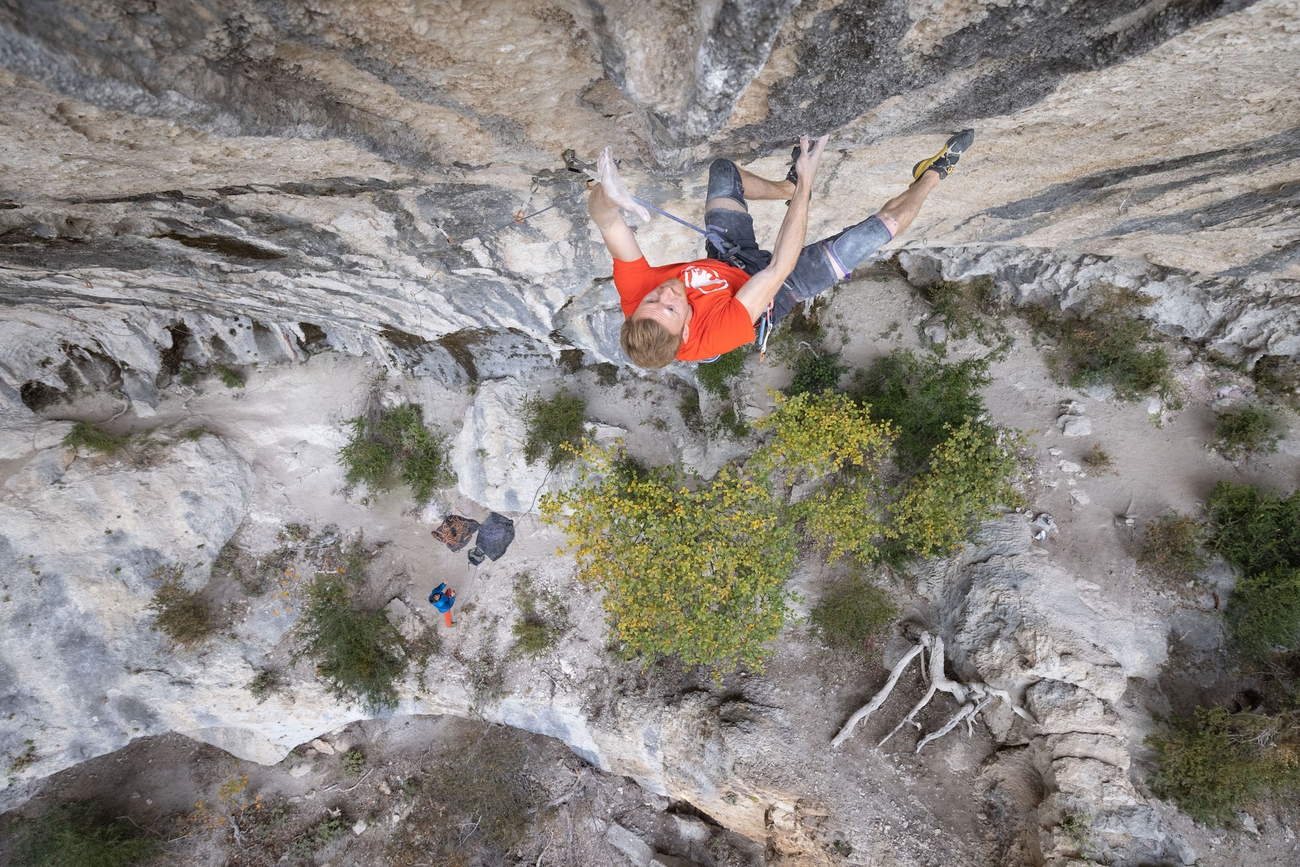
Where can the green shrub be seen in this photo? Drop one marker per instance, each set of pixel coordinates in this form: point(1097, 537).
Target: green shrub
point(555, 428)
point(1247, 430)
point(730, 423)
point(969, 481)
point(1171, 547)
point(714, 377)
point(1254, 530)
point(1264, 612)
point(696, 569)
point(352, 761)
point(852, 613)
point(830, 442)
point(318, 837)
point(84, 434)
point(920, 398)
point(1098, 459)
point(181, 614)
point(264, 684)
point(606, 373)
point(687, 568)
point(967, 308)
point(394, 442)
point(1215, 761)
point(358, 653)
point(543, 618)
point(74, 834)
point(816, 372)
point(229, 376)
point(1109, 346)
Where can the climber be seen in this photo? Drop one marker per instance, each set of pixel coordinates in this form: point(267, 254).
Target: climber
point(694, 311)
point(443, 597)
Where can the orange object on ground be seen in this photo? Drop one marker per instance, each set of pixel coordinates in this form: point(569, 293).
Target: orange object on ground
point(446, 615)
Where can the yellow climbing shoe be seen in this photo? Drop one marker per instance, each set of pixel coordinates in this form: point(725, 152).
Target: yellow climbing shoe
point(946, 159)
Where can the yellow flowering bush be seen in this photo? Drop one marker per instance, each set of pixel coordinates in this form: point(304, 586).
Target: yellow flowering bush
point(969, 476)
point(696, 571)
point(829, 442)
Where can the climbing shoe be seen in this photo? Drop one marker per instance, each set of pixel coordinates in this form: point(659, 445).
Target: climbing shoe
point(793, 175)
point(946, 159)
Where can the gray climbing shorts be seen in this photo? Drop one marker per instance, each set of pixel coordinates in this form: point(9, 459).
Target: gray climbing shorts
point(821, 264)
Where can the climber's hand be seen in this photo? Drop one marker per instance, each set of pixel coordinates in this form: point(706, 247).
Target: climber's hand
point(810, 157)
point(607, 174)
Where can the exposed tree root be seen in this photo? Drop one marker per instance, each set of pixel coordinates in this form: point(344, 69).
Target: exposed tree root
point(973, 697)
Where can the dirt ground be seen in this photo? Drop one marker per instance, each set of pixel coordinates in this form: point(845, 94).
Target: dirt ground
point(862, 805)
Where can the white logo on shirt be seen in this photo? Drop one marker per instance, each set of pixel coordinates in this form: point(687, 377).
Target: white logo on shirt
point(702, 280)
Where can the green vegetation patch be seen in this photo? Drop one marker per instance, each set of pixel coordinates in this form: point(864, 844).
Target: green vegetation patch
point(543, 618)
point(353, 761)
point(75, 834)
point(715, 376)
point(922, 398)
point(689, 408)
point(968, 308)
point(1254, 530)
point(319, 837)
point(1247, 430)
point(394, 442)
point(264, 684)
point(816, 372)
point(91, 436)
point(1214, 761)
point(1109, 346)
point(970, 478)
point(696, 568)
point(555, 428)
point(1171, 547)
point(853, 612)
point(229, 376)
point(686, 567)
point(180, 613)
point(358, 653)
point(1264, 612)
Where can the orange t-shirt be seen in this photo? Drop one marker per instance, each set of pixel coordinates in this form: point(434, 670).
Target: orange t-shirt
point(719, 323)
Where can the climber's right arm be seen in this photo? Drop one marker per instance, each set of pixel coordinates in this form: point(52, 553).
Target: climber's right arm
point(618, 237)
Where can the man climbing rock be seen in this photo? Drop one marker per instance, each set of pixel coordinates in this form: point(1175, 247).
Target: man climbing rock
point(692, 311)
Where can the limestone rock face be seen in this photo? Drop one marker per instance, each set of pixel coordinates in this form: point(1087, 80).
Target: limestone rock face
point(488, 455)
point(256, 181)
point(82, 541)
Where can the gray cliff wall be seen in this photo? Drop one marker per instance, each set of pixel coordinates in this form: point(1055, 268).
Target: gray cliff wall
point(249, 182)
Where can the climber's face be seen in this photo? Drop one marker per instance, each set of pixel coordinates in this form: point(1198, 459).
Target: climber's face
point(667, 305)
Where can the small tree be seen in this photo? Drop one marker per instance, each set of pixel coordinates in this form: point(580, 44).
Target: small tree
point(969, 479)
point(695, 569)
point(394, 442)
point(358, 653)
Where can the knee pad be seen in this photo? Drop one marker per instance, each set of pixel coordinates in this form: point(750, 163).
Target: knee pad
point(851, 247)
point(725, 182)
